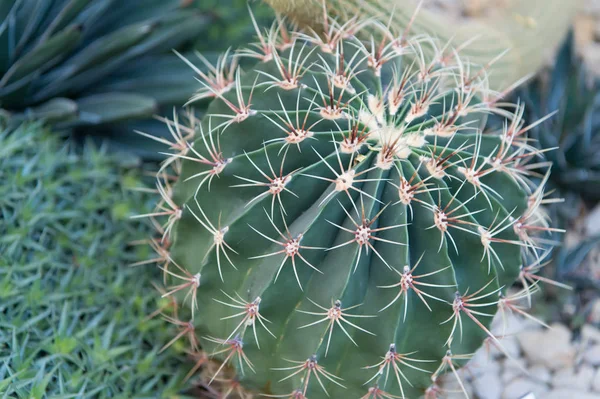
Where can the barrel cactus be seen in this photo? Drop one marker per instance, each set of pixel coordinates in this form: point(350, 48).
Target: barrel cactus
point(338, 224)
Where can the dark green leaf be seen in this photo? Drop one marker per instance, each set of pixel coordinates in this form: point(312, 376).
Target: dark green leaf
point(113, 107)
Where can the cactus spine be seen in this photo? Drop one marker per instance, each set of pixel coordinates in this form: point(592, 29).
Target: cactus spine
point(527, 28)
point(340, 224)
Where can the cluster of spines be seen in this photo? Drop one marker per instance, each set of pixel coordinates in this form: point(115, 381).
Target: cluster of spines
point(374, 125)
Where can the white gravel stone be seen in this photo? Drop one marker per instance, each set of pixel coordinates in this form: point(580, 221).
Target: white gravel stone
point(482, 360)
point(594, 314)
point(575, 378)
point(551, 348)
point(488, 384)
point(449, 383)
point(510, 344)
point(596, 381)
point(592, 355)
point(521, 386)
point(590, 334)
point(511, 324)
point(591, 7)
point(569, 394)
point(512, 369)
point(540, 374)
point(592, 220)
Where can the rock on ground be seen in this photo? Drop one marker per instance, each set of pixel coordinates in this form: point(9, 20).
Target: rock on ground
point(558, 366)
point(550, 348)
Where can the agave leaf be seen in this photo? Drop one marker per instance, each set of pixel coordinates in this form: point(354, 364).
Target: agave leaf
point(569, 259)
point(123, 46)
point(168, 81)
point(64, 17)
point(43, 56)
point(123, 139)
point(123, 13)
point(582, 180)
point(6, 39)
point(572, 93)
point(93, 15)
point(56, 109)
point(5, 8)
point(559, 78)
point(175, 28)
point(101, 50)
point(113, 107)
point(172, 88)
point(33, 16)
point(165, 36)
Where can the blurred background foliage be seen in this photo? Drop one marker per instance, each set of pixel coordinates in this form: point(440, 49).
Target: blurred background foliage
point(572, 94)
point(104, 67)
point(574, 131)
point(232, 26)
point(74, 318)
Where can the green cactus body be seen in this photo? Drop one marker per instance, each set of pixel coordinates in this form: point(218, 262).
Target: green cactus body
point(341, 226)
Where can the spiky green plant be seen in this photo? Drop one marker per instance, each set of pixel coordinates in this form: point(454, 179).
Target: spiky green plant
point(98, 65)
point(567, 95)
point(339, 224)
point(74, 318)
point(59, 56)
point(572, 93)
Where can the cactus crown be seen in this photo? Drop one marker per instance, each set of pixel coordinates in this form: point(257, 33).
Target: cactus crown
point(341, 225)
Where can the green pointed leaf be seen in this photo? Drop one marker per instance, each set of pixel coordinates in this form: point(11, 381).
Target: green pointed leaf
point(166, 35)
point(55, 110)
point(113, 107)
point(66, 15)
point(43, 56)
point(102, 50)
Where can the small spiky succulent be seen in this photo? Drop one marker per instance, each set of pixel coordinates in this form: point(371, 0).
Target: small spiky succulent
point(338, 224)
point(75, 321)
point(573, 133)
point(566, 97)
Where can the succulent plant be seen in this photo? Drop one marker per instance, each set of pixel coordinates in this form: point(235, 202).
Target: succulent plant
point(567, 97)
point(60, 55)
point(338, 224)
point(573, 132)
point(74, 318)
point(104, 66)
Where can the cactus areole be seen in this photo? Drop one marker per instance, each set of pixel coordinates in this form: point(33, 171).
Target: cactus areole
point(342, 225)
